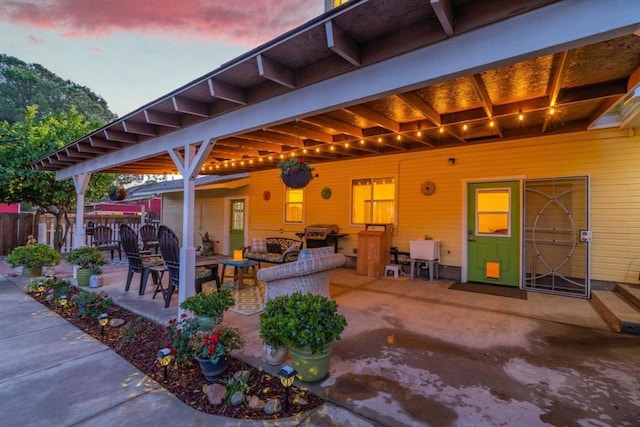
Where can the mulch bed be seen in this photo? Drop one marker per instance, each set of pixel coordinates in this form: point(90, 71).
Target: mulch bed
point(139, 342)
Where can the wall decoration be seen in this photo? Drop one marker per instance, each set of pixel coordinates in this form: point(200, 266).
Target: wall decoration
point(428, 188)
point(266, 195)
point(325, 193)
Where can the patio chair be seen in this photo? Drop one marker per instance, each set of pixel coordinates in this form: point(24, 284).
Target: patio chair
point(149, 237)
point(170, 250)
point(310, 273)
point(103, 239)
point(138, 263)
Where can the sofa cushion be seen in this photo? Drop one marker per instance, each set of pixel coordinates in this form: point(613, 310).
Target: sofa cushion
point(259, 245)
point(274, 248)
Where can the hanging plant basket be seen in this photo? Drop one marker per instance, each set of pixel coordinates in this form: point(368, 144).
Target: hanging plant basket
point(118, 194)
point(298, 179)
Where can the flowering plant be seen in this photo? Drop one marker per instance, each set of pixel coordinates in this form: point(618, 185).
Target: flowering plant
point(295, 165)
point(217, 343)
point(186, 340)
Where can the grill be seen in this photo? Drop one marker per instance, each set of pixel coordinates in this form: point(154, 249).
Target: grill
point(319, 235)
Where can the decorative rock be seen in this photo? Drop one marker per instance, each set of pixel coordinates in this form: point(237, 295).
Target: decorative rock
point(273, 406)
point(237, 398)
point(255, 402)
point(115, 323)
point(216, 393)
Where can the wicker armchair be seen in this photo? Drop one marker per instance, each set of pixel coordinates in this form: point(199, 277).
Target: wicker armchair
point(309, 274)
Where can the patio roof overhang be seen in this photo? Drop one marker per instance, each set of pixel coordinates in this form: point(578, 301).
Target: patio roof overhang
point(388, 76)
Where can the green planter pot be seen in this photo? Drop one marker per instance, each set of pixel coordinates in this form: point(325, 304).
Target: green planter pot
point(31, 272)
point(311, 367)
point(207, 322)
point(83, 275)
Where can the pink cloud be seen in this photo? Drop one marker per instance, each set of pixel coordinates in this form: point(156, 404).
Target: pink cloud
point(238, 22)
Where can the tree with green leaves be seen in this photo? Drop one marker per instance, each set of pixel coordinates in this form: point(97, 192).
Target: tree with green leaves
point(23, 143)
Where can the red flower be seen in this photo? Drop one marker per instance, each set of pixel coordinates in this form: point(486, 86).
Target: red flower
point(300, 160)
point(294, 170)
point(183, 315)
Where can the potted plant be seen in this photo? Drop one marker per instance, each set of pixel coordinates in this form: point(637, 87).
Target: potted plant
point(296, 172)
point(95, 280)
point(208, 308)
point(117, 193)
point(272, 332)
point(309, 324)
point(211, 349)
point(88, 259)
point(33, 257)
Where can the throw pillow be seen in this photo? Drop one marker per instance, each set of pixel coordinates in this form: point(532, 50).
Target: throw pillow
point(258, 245)
point(315, 252)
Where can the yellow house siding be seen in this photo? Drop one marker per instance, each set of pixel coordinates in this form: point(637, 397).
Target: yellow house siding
point(611, 158)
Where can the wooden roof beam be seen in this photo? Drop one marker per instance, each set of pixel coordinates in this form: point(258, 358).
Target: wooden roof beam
point(272, 137)
point(249, 143)
point(139, 128)
point(115, 135)
point(481, 90)
point(414, 100)
point(77, 154)
point(555, 83)
point(336, 125)
point(343, 45)
point(444, 12)
point(189, 106)
point(162, 119)
point(303, 132)
point(276, 72)
point(373, 116)
point(86, 147)
point(96, 141)
point(227, 92)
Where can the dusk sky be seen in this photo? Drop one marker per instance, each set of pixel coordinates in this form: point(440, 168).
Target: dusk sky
point(131, 52)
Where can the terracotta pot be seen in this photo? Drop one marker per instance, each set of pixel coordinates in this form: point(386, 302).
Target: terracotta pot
point(297, 180)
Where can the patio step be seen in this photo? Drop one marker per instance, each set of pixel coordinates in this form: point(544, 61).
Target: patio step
point(620, 313)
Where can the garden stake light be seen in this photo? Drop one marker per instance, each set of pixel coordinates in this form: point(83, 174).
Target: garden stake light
point(103, 319)
point(164, 357)
point(63, 300)
point(287, 375)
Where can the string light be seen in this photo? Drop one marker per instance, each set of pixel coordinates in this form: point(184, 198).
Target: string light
point(552, 111)
point(379, 139)
point(399, 137)
point(465, 127)
point(419, 133)
point(520, 116)
point(304, 151)
point(441, 129)
point(346, 145)
point(317, 149)
point(492, 123)
point(362, 141)
point(332, 148)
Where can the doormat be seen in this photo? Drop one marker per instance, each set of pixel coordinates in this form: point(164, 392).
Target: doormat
point(483, 288)
point(249, 300)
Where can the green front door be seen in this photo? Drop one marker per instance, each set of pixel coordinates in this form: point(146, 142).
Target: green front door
point(493, 235)
point(236, 230)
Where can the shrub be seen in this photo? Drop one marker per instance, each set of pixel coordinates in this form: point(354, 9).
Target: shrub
point(34, 256)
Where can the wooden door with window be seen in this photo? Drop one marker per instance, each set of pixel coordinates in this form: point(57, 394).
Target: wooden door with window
point(493, 235)
point(236, 225)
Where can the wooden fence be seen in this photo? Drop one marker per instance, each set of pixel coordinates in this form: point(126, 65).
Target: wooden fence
point(46, 228)
point(14, 229)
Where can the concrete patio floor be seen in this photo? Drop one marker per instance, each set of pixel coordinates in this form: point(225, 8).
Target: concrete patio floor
point(416, 353)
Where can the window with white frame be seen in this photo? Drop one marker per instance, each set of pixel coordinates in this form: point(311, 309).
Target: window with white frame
point(293, 205)
point(373, 200)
